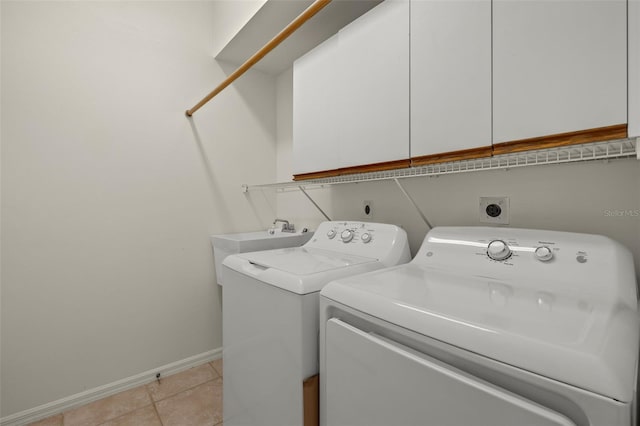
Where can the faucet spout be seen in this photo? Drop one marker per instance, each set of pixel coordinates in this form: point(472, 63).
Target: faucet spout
point(286, 226)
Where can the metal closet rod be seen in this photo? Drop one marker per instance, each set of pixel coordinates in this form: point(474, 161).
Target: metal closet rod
point(316, 7)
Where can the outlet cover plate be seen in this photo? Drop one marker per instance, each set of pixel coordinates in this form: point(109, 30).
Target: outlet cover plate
point(502, 218)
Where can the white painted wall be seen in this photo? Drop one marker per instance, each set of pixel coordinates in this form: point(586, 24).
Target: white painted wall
point(109, 193)
point(580, 197)
point(293, 204)
point(229, 18)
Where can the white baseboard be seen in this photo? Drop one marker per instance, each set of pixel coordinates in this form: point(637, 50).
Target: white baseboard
point(82, 398)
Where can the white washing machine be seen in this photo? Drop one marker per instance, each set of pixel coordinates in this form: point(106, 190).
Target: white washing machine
point(485, 327)
point(270, 318)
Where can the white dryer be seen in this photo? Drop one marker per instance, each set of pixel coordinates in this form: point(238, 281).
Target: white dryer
point(270, 318)
point(485, 327)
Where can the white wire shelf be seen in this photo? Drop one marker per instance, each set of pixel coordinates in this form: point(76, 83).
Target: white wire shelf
point(622, 148)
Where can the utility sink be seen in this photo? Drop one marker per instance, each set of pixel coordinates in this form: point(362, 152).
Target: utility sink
point(226, 244)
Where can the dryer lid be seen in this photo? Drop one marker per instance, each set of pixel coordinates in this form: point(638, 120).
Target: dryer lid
point(580, 340)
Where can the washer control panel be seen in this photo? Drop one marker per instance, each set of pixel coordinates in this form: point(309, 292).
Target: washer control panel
point(352, 232)
point(360, 238)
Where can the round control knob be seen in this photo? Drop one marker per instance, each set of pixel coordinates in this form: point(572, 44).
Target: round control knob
point(498, 250)
point(347, 235)
point(543, 253)
point(331, 233)
point(366, 237)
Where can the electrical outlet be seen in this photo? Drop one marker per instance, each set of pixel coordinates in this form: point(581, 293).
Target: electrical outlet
point(494, 210)
point(367, 208)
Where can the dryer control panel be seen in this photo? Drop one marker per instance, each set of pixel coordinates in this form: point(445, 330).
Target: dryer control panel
point(552, 259)
point(375, 240)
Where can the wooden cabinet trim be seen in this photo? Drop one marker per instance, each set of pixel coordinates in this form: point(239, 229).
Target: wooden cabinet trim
point(465, 154)
point(599, 134)
point(366, 168)
point(618, 131)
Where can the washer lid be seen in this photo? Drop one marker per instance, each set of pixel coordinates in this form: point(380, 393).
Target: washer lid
point(580, 340)
point(298, 269)
point(303, 261)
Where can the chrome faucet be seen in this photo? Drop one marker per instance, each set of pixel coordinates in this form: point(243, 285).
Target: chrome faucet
point(286, 226)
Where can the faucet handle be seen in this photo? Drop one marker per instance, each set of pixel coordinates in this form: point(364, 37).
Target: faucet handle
point(288, 227)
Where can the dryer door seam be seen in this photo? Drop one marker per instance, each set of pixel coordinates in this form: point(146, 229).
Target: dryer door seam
point(435, 379)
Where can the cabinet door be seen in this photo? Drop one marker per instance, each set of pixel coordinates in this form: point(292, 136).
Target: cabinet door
point(558, 66)
point(450, 76)
point(374, 86)
point(634, 68)
point(315, 118)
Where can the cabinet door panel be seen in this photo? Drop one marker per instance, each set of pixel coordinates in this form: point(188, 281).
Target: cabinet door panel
point(558, 66)
point(634, 68)
point(374, 86)
point(315, 119)
point(450, 75)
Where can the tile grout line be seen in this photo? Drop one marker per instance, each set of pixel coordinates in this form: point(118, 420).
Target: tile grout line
point(214, 368)
point(178, 393)
point(128, 412)
point(190, 388)
point(118, 416)
point(187, 389)
point(124, 414)
point(157, 414)
point(154, 402)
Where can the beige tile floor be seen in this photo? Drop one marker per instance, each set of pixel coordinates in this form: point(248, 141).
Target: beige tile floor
point(190, 398)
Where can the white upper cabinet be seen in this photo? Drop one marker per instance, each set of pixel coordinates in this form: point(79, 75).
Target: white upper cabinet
point(450, 76)
point(374, 86)
point(439, 80)
point(316, 145)
point(634, 67)
point(558, 66)
point(351, 94)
